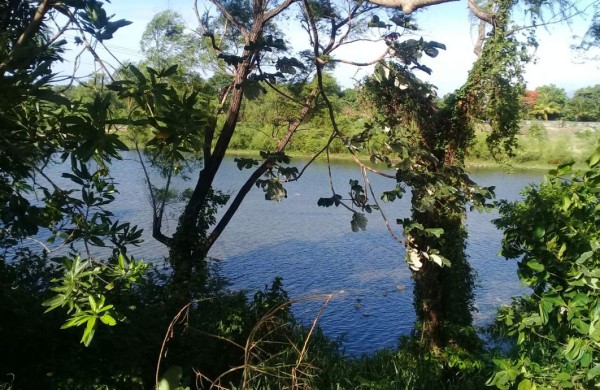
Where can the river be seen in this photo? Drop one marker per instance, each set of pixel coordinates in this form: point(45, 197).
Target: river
point(315, 251)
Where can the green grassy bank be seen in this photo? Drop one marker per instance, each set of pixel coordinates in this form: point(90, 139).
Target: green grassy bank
point(541, 145)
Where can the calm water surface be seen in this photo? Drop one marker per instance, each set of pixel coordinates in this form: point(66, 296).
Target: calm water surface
point(315, 251)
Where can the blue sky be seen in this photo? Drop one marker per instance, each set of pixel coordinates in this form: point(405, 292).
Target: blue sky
point(447, 23)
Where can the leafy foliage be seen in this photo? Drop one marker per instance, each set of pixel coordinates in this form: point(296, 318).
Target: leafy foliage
point(555, 231)
point(584, 105)
point(495, 85)
point(44, 130)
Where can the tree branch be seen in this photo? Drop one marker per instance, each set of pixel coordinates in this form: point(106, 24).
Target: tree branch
point(480, 38)
point(376, 60)
point(88, 46)
point(480, 13)
point(247, 186)
point(231, 18)
point(31, 28)
point(277, 10)
point(409, 6)
point(157, 216)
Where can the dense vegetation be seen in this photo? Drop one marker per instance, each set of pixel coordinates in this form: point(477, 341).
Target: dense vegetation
point(540, 144)
point(552, 103)
point(80, 311)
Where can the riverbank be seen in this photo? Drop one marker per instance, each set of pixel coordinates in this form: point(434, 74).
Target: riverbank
point(541, 146)
point(340, 158)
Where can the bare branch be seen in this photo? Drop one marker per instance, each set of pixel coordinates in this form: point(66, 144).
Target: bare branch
point(563, 16)
point(60, 31)
point(247, 186)
point(373, 62)
point(480, 13)
point(157, 215)
point(231, 18)
point(368, 168)
point(285, 95)
point(88, 46)
point(313, 158)
point(480, 38)
point(385, 220)
point(409, 6)
point(204, 30)
point(277, 10)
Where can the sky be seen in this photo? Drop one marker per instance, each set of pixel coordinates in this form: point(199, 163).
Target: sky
point(555, 62)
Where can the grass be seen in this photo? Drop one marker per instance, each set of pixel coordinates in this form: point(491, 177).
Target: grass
point(538, 148)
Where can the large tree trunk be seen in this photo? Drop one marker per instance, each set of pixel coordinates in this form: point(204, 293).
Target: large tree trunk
point(191, 242)
point(189, 246)
point(443, 297)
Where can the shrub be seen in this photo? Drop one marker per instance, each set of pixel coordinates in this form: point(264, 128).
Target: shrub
point(555, 231)
point(538, 131)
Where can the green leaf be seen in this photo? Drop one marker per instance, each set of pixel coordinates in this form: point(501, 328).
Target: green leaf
point(526, 384)
point(359, 222)
point(90, 329)
point(328, 202)
point(581, 326)
point(139, 75)
point(535, 265)
point(171, 379)
point(539, 232)
point(574, 349)
point(55, 302)
point(245, 163)
point(436, 259)
point(108, 320)
point(252, 90)
point(169, 71)
point(565, 168)
point(594, 159)
point(93, 304)
point(562, 376)
point(585, 256)
point(437, 232)
point(594, 372)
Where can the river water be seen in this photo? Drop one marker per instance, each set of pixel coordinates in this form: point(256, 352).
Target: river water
point(315, 251)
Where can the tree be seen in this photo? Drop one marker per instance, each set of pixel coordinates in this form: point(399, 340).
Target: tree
point(43, 127)
point(550, 103)
point(426, 146)
point(165, 43)
point(591, 39)
point(584, 105)
point(530, 98)
point(247, 79)
point(495, 80)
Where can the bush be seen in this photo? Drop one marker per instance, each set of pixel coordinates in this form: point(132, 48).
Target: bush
point(555, 230)
point(38, 354)
point(538, 131)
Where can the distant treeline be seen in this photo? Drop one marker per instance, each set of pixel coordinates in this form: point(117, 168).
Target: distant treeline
point(549, 102)
point(266, 117)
